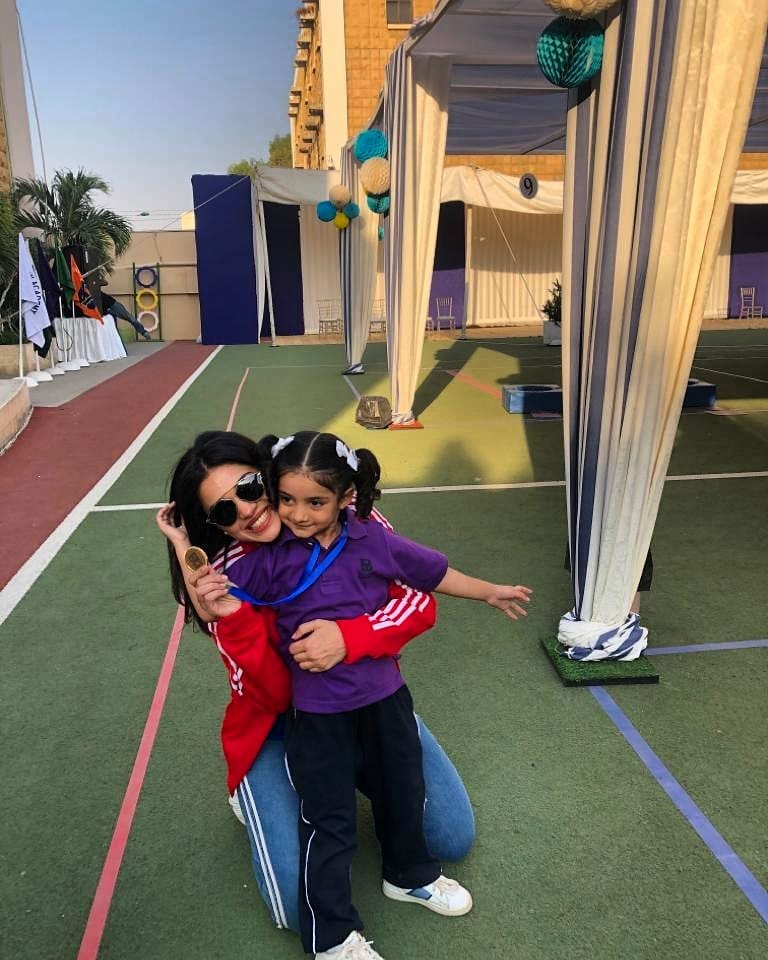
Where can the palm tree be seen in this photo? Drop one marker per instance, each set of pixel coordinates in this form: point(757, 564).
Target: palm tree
point(9, 249)
point(67, 214)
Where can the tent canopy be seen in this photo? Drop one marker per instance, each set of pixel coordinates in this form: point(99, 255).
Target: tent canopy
point(499, 101)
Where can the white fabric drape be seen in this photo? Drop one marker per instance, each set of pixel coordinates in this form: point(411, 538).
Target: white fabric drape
point(319, 264)
point(416, 122)
point(651, 161)
point(90, 340)
point(359, 256)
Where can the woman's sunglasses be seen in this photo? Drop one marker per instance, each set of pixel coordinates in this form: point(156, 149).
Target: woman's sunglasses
point(249, 488)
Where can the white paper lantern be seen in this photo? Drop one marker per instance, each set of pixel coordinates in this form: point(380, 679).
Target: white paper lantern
point(374, 175)
point(579, 9)
point(339, 195)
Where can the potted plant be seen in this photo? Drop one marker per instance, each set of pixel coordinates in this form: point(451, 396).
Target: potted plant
point(553, 311)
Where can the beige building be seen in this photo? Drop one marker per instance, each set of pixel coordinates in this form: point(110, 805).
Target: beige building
point(15, 141)
point(342, 49)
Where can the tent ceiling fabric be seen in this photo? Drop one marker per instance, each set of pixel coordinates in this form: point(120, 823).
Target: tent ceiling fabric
point(500, 103)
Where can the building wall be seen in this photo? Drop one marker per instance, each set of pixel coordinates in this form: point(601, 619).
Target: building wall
point(175, 252)
point(15, 141)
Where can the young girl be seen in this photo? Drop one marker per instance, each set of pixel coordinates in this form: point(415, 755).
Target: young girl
point(355, 710)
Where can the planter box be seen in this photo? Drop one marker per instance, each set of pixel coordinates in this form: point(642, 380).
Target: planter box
point(9, 359)
point(552, 333)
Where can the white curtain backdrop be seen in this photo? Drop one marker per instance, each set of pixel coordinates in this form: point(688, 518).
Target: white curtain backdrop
point(319, 264)
point(416, 123)
point(650, 165)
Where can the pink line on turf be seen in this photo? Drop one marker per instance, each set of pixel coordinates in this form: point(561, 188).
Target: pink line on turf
point(102, 900)
point(477, 384)
point(237, 400)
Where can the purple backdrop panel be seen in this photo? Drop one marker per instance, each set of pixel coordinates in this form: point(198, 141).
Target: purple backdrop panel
point(226, 275)
point(282, 222)
point(448, 274)
point(749, 255)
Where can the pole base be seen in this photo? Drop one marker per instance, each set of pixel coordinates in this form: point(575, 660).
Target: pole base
point(411, 425)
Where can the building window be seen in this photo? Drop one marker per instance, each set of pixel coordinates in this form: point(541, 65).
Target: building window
point(399, 11)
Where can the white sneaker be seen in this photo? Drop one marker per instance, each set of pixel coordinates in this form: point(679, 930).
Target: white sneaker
point(234, 804)
point(444, 896)
point(355, 947)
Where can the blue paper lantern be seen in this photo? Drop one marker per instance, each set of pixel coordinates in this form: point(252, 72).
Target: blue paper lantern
point(326, 211)
point(351, 209)
point(370, 143)
point(378, 203)
point(570, 52)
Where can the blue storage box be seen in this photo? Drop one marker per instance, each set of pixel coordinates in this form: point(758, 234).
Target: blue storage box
point(530, 397)
point(698, 393)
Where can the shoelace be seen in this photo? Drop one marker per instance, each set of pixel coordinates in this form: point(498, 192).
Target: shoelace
point(359, 949)
point(444, 884)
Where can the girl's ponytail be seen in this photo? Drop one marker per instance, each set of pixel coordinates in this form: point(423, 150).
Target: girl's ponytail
point(367, 477)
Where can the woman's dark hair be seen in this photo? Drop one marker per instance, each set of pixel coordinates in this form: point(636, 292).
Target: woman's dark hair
point(214, 448)
point(316, 455)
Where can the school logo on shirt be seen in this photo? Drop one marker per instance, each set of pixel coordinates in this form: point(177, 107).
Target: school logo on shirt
point(366, 568)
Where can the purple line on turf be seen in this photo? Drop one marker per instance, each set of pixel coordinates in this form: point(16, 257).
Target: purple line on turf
point(706, 647)
point(742, 876)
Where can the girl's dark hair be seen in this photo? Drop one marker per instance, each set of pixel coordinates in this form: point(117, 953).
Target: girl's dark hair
point(315, 454)
point(214, 448)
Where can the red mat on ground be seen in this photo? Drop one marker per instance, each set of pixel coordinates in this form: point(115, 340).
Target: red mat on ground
point(65, 450)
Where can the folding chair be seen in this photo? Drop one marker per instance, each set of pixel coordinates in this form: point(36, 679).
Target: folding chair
point(378, 317)
point(748, 307)
point(329, 316)
point(444, 311)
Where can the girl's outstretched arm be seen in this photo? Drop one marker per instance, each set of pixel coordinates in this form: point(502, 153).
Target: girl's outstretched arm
point(506, 598)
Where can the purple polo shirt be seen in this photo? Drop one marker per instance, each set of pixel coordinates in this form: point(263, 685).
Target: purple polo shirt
point(355, 584)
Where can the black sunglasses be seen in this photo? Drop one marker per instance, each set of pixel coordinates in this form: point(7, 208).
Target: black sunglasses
point(250, 488)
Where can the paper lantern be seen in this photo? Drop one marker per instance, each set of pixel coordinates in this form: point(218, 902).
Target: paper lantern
point(339, 195)
point(341, 220)
point(378, 204)
point(370, 143)
point(374, 175)
point(570, 52)
point(351, 210)
point(579, 9)
point(325, 211)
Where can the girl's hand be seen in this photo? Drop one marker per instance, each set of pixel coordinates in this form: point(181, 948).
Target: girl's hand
point(508, 599)
point(318, 645)
point(211, 591)
point(165, 520)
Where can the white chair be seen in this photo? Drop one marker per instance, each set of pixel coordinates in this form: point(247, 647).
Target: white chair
point(748, 307)
point(444, 311)
point(378, 317)
point(328, 316)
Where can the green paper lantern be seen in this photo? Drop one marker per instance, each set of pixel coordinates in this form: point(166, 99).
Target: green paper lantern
point(570, 52)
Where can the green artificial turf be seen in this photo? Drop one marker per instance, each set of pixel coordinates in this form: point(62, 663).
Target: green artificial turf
point(575, 673)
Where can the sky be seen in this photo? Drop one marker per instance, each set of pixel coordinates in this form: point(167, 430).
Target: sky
point(145, 94)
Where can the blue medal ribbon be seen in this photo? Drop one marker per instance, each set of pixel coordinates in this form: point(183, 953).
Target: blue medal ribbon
point(311, 573)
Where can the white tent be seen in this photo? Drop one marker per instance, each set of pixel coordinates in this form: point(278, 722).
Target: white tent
point(652, 151)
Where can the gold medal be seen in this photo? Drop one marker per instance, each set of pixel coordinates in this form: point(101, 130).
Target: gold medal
point(194, 558)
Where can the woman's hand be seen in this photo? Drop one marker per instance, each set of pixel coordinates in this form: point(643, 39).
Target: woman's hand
point(508, 599)
point(211, 591)
point(165, 519)
point(318, 645)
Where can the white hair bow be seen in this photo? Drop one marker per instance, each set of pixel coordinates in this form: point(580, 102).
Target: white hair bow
point(343, 451)
point(281, 444)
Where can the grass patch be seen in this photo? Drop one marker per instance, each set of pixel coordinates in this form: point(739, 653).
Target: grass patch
point(575, 673)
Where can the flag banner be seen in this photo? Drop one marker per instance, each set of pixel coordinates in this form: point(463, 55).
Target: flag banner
point(82, 297)
point(63, 276)
point(31, 302)
point(51, 293)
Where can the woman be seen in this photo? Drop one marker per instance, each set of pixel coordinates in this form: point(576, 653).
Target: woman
point(219, 503)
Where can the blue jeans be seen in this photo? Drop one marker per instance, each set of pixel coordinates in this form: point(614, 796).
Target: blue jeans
point(271, 811)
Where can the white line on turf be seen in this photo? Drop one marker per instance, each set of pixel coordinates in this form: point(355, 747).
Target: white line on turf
point(27, 574)
point(459, 488)
point(727, 373)
point(353, 388)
